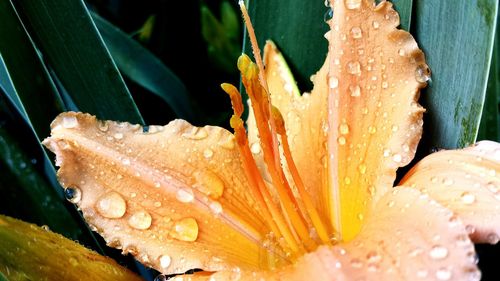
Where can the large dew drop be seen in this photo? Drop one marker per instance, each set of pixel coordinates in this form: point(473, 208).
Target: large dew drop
point(73, 194)
point(69, 122)
point(185, 229)
point(165, 261)
point(111, 205)
point(209, 183)
point(140, 220)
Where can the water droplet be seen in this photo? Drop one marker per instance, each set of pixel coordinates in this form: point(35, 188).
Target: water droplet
point(387, 152)
point(69, 122)
point(328, 15)
point(103, 126)
point(161, 277)
point(341, 140)
point(362, 168)
point(216, 207)
point(448, 181)
point(208, 153)
point(361, 216)
point(185, 229)
point(209, 183)
point(468, 198)
point(73, 194)
point(195, 134)
point(347, 180)
point(356, 263)
point(227, 143)
point(391, 204)
point(353, 4)
point(126, 161)
point(140, 220)
point(111, 205)
point(344, 129)
point(354, 68)
point(356, 32)
point(45, 227)
point(255, 148)
point(385, 85)
point(333, 82)
point(327, 3)
point(373, 257)
point(402, 52)
point(492, 238)
point(375, 24)
point(118, 136)
point(443, 274)
point(372, 129)
point(355, 90)
point(165, 261)
point(438, 252)
point(397, 158)
point(395, 128)
point(185, 195)
point(422, 73)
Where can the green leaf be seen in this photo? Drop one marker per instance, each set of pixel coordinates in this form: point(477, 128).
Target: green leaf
point(30, 84)
point(404, 8)
point(28, 252)
point(69, 40)
point(490, 121)
point(457, 38)
point(142, 67)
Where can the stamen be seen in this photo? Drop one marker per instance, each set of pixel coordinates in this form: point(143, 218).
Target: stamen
point(304, 195)
point(260, 99)
point(272, 215)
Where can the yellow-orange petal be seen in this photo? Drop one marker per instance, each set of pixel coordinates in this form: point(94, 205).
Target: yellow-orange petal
point(466, 181)
point(408, 237)
point(176, 197)
point(362, 120)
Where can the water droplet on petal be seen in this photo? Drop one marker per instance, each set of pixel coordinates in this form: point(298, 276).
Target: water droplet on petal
point(492, 238)
point(443, 274)
point(328, 15)
point(208, 153)
point(195, 134)
point(161, 277)
point(140, 220)
point(356, 263)
point(353, 4)
point(422, 73)
point(111, 205)
point(333, 82)
point(402, 52)
point(344, 129)
point(373, 257)
point(362, 168)
point(341, 140)
point(355, 90)
point(438, 252)
point(375, 24)
point(356, 32)
point(165, 261)
point(69, 122)
point(73, 194)
point(209, 183)
point(354, 68)
point(372, 130)
point(118, 136)
point(216, 207)
point(468, 198)
point(185, 229)
point(397, 158)
point(103, 126)
point(185, 195)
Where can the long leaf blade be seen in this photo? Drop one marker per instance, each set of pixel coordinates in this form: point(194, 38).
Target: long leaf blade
point(457, 37)
point(68, 38)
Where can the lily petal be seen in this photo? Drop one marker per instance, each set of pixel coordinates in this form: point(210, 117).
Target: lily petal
point(466, 181)
point(394, 244)
point(362, 121)
point(175, 197)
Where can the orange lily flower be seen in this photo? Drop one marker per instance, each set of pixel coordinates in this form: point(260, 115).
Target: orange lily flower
point(307, 193)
